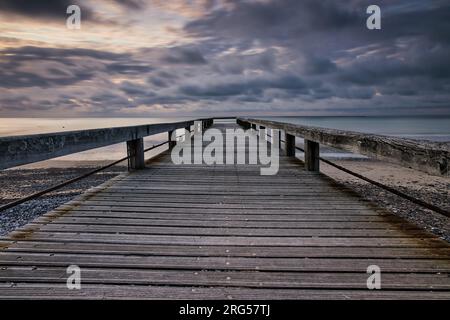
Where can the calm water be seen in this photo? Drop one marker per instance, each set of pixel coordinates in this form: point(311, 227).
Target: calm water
point(428, 128)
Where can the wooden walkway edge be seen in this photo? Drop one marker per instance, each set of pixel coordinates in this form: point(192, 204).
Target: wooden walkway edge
point(222, 232)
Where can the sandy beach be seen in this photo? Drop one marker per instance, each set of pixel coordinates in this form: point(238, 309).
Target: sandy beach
point(32, 178)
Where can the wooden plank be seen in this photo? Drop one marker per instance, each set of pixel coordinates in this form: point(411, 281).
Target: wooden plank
point(274, 280)
point(226, 251)
point(247, 211)
point(245, 215)
point(225, 263)
point(226, 240)
point(226, 231)
point(119, 221)
point(261, 207)
point(127, 292)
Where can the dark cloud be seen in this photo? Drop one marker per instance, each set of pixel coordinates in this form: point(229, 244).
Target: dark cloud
point(43, 53)
point(184, 56)
point(72, 66)
point(238, 63)
point(133, 89)
point(271, 55)
point(128, 68)
point(319, 65)
point(250, 87)
point(28, 79)
point(131, 4)
point(57, 9)
point(42, 9)
point(281, 20)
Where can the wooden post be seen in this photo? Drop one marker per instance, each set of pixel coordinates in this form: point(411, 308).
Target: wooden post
point(279, 139)
point(172, 143)
point(289, 143)
point(135, 149)
point(244, 124)
point(312, 151)
point(253, 126)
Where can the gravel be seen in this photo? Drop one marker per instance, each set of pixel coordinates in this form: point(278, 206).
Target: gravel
point(431, 189)
point(15, 184)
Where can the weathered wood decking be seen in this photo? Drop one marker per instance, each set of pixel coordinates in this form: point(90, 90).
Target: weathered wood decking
point(222, 232)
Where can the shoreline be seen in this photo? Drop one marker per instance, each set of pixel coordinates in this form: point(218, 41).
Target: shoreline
point(35, 177)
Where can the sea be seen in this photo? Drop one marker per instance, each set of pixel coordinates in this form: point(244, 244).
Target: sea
point(432, 128)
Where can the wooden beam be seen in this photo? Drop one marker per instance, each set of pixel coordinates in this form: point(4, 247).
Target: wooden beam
point(289, 143)
point(171, 139)
point(20, 150)
point(135, 149)
point(426, 156)
point(312, 156)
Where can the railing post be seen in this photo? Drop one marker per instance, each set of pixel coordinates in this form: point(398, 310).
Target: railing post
point(135, 150)
point(312, 152)
point(172, 143)
point(289, 143)
point(244, 124)
point(279, 139)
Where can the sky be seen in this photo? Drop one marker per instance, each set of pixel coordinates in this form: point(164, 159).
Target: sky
point(137, 58)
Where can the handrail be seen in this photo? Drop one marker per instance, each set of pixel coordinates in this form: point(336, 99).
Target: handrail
point(429, 157)
point(20, 150)
point(382, 186)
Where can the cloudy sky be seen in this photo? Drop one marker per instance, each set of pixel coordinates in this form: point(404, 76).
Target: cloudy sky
point(219, 57)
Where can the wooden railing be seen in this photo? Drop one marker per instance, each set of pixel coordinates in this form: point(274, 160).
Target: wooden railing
point(20, 150)
point(430, 157)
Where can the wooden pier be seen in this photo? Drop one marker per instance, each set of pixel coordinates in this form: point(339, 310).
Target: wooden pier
point(222, 232)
